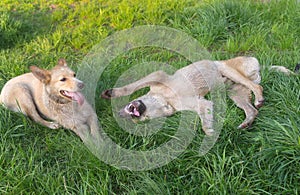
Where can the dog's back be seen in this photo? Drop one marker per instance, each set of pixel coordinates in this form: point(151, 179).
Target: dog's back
point(15, 89)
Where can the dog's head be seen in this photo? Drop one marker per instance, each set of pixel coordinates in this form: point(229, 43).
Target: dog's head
point(146, 107)
point(60, 83)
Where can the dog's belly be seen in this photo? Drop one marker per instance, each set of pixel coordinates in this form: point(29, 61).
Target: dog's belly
point(195, 79)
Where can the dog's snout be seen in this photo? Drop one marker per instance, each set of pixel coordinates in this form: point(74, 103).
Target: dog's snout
point(80, 85)
point(134, 109)
point(141, 107)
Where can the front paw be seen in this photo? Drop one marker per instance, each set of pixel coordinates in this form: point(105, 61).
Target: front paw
point(259, 103)
point(107, 94)
point(209, 132)
point(53, 125)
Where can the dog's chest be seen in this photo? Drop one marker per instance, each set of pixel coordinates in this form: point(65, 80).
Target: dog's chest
point(66, 113)
point(189, 83)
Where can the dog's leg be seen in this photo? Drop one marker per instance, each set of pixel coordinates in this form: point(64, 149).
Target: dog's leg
point(93, 124)
point(81, 130)
point(88, 132)
point(34, 115)
point(152, 79)
point(88, 129)
point(205, 112)
point(242, 98)
point(29, 110)
point(25, 105)
point(94, 128)
point(237, 77)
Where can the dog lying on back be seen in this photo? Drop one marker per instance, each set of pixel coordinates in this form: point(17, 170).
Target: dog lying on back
point(186, 88)
point(51, 98)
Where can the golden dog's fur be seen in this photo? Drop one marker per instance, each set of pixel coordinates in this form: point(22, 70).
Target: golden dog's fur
point(51, 98)
point(186, 88)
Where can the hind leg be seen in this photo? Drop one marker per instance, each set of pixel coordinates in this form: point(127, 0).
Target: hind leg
point(237, 77)
point(242, 98)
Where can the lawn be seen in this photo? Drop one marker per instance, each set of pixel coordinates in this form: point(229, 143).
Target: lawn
point(263, 159)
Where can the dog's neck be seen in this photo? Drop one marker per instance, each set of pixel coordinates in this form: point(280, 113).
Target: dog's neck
point(54, 105)
point(53, 101)
point(57, 99)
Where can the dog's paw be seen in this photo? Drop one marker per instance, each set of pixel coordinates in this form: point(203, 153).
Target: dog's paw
point(209, 132)
point(244, 126)
point(54, 125)
point(259, 103)
point(107, 94)
point(249, 120)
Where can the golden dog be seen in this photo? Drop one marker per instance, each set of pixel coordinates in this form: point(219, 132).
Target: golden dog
point(186, 88)
point(51, 98)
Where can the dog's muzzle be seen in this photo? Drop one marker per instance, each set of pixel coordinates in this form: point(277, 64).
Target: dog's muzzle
point(134, 109)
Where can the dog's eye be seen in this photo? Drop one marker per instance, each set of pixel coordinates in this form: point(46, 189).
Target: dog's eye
point(74, 74)
point(63, 79)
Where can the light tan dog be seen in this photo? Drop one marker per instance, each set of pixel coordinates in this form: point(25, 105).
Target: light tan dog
point(186, 88)
point(53, 95)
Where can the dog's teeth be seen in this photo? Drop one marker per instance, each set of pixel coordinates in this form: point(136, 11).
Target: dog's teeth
point(131, 108)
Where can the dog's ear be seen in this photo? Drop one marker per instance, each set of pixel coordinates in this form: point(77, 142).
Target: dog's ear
point(43, 75)
point(62, 62)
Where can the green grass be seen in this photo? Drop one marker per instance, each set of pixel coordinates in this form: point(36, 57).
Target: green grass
point(264, 159)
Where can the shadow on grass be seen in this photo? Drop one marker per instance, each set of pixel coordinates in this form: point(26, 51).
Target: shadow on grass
point(19, 27)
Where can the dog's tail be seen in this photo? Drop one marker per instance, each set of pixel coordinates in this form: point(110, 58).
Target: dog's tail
point(285, 70)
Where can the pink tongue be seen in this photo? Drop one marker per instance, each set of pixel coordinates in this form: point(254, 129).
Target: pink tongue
point(136, 113)
point(77, 96)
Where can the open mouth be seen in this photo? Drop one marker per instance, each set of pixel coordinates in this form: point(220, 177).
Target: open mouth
point(75, 96)
point(135, 108)
point(132, 110)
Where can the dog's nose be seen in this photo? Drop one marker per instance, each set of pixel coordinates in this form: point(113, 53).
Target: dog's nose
point(141, 107)
point(80, 85)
